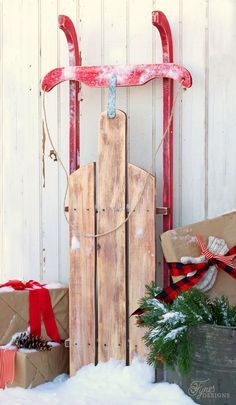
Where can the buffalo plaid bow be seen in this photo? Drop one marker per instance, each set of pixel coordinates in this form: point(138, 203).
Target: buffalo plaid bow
point(225, 263)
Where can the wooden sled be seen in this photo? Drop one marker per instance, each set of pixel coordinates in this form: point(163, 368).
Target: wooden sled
point(108, 275)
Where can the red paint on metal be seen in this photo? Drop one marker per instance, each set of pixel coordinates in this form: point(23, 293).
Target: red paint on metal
point(126, 75)
point(67, 26)
point(160, 21)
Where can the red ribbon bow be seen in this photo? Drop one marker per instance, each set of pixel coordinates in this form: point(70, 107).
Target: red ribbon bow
point(39, 305)
point(19, 285)
point(228, 260)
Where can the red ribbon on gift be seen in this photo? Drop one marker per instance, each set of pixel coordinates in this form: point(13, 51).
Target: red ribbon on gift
point(223, 262)
point(228, 260)
point(7, 365)
point(39, 306)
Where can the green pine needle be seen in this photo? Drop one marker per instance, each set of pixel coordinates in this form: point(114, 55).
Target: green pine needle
point(167, 325)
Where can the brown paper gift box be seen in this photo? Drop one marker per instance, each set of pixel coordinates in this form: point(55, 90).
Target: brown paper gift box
point(34, 368)
point(181, 242)
point(14, 313)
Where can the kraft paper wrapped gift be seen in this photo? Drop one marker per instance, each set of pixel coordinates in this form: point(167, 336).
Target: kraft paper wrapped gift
point(33, 368)
point(14, 313)
point(182, 242)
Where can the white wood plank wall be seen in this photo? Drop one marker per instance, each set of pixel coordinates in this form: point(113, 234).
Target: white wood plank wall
point(33, 232)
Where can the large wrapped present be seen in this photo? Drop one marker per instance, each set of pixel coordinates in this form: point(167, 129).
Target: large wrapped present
point(14, 313)
point(37, 367)
point(182, 246)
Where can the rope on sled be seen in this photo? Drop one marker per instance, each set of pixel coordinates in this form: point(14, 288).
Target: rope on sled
point(109, 231)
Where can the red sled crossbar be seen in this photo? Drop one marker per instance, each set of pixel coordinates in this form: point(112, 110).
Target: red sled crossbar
point(126, 75)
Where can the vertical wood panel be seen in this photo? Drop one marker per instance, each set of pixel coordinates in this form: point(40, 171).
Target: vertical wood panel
point(111, 248)
point(90, 42)
point(82, 267)
point(193, 110)
point(114, 43)
point(49, 59)
point(222, 107)
point(140, 98)
point(21, 143)
point(12, 145)
point(31, 138)
point(142, 249)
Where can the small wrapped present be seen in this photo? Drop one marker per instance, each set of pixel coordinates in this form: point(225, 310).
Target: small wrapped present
point(15, 312)
point(205, 247)
point(37, 367)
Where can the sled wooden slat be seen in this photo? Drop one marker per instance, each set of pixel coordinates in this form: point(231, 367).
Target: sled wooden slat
point(142, 255)
point(108, 274)
point(82, 267)
point(111, 261)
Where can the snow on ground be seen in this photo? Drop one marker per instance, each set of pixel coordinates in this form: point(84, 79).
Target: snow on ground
point(110, 383)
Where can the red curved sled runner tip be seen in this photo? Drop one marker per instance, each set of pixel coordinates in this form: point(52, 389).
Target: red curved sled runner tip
point(126, 75)
point(160, 21)
point(67, 26)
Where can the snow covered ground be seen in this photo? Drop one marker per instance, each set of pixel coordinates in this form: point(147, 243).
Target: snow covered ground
point(110, 383)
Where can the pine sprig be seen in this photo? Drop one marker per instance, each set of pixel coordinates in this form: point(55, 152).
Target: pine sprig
point(167, 325)
point(153, 308)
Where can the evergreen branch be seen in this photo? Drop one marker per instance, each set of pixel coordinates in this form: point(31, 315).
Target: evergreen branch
point(167, 325)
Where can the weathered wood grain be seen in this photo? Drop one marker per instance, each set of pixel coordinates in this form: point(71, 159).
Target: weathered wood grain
point(142, 250)
point(194, 144)
point(111, 263)
point(20, 186)
point(82, 267)
point(49, 195)
point(221, 106)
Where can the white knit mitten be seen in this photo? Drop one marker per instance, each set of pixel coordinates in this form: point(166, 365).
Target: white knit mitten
point(216, 246)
